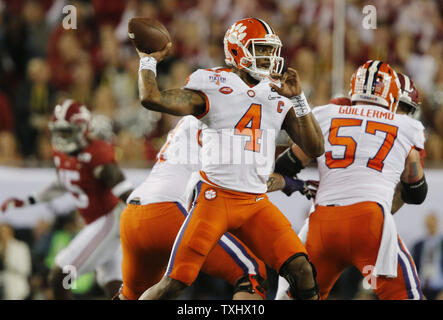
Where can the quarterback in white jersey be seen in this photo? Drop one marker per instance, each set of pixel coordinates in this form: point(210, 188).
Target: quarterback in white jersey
point(371, 164)
point(242, 109)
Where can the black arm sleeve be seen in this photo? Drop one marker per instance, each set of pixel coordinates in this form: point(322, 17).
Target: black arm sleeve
point(288, 164)
point(414, 193)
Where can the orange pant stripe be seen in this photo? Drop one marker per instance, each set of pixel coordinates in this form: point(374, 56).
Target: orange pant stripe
point(181, 232)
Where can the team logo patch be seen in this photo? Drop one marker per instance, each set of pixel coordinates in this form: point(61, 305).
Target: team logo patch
point(251, 93)
point(259, 198)
point(271, 97)
point(226, 90)
point(217, 79)
point(210, 194)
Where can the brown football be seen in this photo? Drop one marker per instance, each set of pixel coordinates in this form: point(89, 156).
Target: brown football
point(147, 34)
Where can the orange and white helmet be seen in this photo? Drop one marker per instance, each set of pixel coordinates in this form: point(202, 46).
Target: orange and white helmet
point(376, 82)
point(239, 45)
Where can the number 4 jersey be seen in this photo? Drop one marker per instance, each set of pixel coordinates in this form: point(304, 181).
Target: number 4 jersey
point(365, 151)
point(240, 127)
point(76, 173)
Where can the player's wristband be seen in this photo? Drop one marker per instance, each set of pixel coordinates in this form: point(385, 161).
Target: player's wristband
point(288, 164)
point(301, 106)
point(414, 193)
point(148, 63)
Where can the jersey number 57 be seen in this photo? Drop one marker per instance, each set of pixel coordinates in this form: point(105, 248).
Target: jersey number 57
point(377, 161)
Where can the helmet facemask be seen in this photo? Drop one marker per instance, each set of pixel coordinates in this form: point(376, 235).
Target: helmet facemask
point(67, 138)
point(241, 51)
point(409, 97)
point(249, 62)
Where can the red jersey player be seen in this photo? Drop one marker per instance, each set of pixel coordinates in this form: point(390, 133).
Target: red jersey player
point(87, 169)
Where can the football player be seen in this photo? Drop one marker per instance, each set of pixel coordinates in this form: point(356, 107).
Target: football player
point(157, 208)
point(371, 166)
point(87, 169)
point(242, 109)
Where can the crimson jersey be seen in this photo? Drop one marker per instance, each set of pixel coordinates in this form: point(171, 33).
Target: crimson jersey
point(76, 174)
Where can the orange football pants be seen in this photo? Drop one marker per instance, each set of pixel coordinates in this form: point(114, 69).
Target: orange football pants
point(342, 236)
point(250, 217)
point(147, 235)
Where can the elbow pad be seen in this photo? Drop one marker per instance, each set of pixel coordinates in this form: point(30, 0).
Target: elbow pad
point(414, 193)
point(288, 164)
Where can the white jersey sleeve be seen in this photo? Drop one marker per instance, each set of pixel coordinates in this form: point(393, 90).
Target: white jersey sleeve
point(419, 138)
point(198, 81)
point(195, 81)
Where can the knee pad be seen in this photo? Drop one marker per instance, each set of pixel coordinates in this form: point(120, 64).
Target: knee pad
point(294, 291)
point(251, 283)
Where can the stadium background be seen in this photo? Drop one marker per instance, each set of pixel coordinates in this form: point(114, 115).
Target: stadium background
point(41, 63)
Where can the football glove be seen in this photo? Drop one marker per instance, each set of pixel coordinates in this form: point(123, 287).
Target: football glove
point(12, 202)
point(307, 188)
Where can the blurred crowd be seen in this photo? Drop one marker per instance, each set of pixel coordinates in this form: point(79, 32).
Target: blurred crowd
point(42, 63)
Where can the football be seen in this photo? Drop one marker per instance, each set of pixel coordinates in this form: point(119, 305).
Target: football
point(147, 34)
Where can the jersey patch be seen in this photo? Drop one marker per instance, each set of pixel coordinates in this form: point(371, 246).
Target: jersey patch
point(226, 90)
point(210, 194)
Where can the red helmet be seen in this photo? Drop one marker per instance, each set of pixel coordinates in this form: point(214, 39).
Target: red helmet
point(240, 51)
point(376, 82)
point(69, 126)
point(341, 101)
point(408, 93)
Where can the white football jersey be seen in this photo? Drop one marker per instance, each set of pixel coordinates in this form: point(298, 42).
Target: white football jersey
point(365, 151)
point(241, 124)
point(176, 161)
